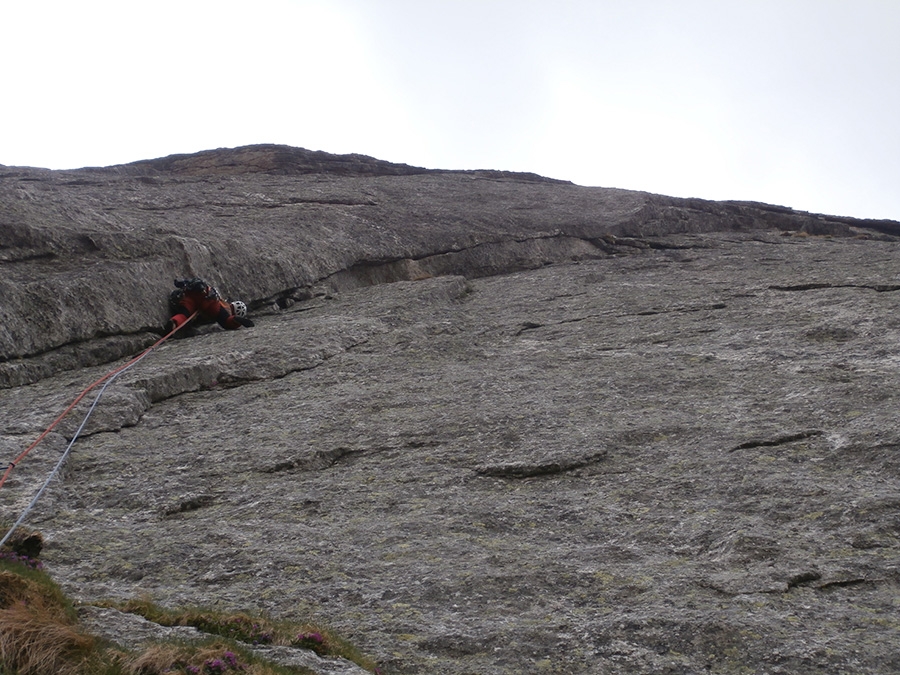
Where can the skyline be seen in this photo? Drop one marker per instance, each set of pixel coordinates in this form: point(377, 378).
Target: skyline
point(791, 103)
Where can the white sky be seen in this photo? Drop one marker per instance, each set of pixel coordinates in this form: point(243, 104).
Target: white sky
point(791, 102)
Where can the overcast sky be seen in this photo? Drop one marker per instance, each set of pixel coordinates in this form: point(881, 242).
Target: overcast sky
point(790, 102)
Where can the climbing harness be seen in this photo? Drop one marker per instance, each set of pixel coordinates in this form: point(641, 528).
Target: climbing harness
point(108, 379)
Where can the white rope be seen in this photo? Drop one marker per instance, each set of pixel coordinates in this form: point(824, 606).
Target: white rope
point(65, 454)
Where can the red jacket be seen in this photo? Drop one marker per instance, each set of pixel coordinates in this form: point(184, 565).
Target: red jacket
point(210, 306)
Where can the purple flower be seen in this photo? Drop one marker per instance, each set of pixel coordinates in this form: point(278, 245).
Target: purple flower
point(215, 666)
point(22, 559)
point(312, 637)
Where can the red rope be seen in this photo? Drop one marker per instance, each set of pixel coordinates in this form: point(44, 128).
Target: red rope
point(12, 465)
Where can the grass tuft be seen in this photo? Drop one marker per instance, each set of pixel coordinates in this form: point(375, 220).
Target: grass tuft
point(39, 634)
point(37, 628)
point(249, 629)
point(214, 658)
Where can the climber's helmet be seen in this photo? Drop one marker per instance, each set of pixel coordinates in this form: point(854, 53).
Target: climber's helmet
point(240, 309)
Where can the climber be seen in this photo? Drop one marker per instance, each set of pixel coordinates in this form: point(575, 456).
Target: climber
point(195, 295)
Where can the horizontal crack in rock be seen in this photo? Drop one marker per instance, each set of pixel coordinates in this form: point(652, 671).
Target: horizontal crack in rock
point(313, 461)
point(802, 287)
point(878, 288)
point(803, 578)
point(685, 308)
point(530, 470)
point(780, 440)
point(191, 504)
point(842, 583)
point(529, 325)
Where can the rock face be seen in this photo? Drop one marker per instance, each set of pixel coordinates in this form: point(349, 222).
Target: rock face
point(90, 254)
point(584, 430)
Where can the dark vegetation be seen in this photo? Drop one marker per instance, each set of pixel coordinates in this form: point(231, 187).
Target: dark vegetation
point(40, 632)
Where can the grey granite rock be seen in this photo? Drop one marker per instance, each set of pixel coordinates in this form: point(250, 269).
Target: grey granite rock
point(87, 254)
point(134, 633)
point(677, 454)
point(130, 630)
